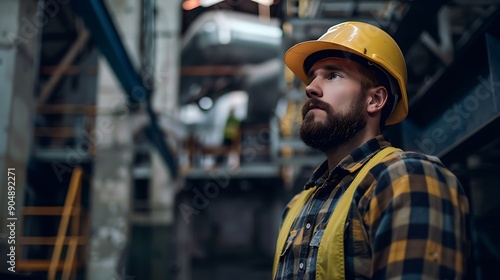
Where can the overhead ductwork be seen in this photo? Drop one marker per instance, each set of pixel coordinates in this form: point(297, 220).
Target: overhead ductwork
point(230, 38)
point(221, 52)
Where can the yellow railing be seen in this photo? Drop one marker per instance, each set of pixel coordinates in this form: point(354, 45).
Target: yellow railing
point(71, 209)
point(71, 204)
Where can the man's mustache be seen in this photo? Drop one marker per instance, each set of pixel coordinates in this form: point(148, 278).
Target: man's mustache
point(314, 103)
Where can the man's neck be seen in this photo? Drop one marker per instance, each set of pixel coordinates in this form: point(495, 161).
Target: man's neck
point(336, 154)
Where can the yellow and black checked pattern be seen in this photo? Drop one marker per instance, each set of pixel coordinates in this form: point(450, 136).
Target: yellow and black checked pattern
point(409, 219)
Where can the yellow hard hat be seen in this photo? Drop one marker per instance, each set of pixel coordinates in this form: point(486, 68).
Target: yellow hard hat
point(365, 41)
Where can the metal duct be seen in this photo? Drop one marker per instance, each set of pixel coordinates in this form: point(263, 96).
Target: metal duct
point(224, 51)
point(230, 38)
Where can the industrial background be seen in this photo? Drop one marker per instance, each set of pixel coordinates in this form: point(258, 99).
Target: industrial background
point(113, 114)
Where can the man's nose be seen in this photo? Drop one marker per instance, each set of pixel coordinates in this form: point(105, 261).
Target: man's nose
point(313, 89)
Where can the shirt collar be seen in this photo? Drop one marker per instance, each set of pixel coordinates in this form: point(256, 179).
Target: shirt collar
point(350, 164)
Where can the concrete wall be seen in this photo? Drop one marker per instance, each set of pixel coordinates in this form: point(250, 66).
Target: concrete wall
point(20, 30)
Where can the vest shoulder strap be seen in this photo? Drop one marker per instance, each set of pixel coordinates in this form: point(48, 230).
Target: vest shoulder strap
point(331, 263)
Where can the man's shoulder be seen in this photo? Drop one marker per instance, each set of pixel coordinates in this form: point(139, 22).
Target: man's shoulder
point(417, 156)
point(410, 161)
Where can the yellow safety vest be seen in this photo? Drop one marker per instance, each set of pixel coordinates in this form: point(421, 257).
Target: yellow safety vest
point(330, 261)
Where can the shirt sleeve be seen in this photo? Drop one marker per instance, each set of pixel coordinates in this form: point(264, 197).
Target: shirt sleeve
point(418, 219)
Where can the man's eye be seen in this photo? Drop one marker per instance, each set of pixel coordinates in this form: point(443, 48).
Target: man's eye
point(333, 76)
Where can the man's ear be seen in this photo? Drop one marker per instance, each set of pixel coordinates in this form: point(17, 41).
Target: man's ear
point(377, 98)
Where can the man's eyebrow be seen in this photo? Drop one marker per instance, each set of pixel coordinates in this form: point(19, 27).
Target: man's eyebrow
point(310, 74)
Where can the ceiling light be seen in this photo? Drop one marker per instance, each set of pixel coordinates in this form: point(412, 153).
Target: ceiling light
point(205, 103)
point(264, 2)
point(208, 3)
point(190, 4)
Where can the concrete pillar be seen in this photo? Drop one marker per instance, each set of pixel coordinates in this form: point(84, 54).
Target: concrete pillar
point(165, 100)
point(162, 187)
point(110, 195)
point(168, 44)
point(112, 180)
point(20, 29)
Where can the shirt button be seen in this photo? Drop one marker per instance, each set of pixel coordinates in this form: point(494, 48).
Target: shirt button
point(301, 265)
point(308, 226)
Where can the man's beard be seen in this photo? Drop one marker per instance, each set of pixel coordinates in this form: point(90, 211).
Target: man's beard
point(335, 130)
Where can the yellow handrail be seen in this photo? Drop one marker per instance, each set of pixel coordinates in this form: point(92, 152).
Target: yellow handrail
point(73, 193)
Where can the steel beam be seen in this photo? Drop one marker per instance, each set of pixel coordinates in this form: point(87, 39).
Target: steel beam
point(104, 33)
point(470, 42)
point(467, 121)
point(98, 20)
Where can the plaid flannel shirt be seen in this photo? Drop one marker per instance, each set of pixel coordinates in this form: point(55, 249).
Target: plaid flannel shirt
point(409, 219)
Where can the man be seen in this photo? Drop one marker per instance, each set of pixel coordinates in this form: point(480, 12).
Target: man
point(369, 211)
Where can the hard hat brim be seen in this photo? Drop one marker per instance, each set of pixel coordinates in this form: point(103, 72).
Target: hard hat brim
point(294, 58)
